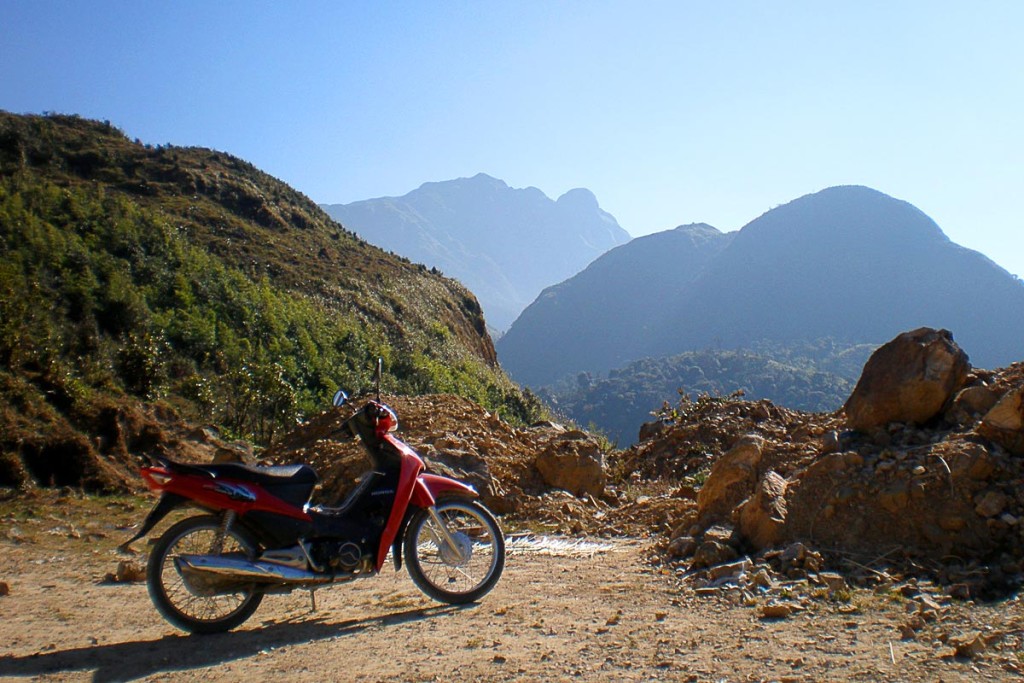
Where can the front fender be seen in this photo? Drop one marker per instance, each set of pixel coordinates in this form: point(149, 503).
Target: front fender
point(430, 487)
point(427, 490)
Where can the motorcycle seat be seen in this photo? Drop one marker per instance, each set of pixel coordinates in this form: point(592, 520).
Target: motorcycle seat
point(267, 475)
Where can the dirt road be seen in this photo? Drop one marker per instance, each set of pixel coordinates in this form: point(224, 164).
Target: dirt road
point(568, 616)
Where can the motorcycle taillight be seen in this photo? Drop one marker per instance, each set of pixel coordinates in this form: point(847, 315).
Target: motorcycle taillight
point(157, 477)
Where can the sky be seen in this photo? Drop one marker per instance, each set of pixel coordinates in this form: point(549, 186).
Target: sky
point(669, 112)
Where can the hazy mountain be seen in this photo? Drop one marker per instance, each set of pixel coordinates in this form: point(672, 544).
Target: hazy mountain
point(848, 263)
point(504, 244)
point(604, 316)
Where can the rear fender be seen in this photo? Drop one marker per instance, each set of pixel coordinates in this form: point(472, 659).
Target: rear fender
point(167, 503)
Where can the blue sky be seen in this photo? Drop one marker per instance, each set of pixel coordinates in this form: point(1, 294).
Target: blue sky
point(670, 112)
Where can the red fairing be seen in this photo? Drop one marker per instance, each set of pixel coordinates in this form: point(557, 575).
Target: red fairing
point(220, 494)
point(412, 465)
point(416, 489)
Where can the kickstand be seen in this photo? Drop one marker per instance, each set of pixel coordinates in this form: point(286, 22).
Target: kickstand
point(312, 600)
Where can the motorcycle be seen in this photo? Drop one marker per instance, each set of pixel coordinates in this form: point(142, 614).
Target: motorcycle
point(259, 534)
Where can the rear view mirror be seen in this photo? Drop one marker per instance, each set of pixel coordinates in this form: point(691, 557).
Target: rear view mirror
point(340, 398)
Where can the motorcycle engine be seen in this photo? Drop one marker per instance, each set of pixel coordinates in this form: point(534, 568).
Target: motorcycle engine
point(338, 555)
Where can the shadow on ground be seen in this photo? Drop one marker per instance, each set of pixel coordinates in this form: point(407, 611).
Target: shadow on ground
point(136, 659)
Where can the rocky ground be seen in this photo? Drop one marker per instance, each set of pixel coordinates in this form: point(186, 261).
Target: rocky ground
point(598, 611)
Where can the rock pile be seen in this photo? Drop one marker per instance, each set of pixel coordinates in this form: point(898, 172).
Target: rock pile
point(543, 475)
point(921, 466)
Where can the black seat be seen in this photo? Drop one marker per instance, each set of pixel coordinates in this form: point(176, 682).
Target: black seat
point(265, 475)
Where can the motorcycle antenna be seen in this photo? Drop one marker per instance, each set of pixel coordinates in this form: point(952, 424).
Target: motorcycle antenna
point(380, 371)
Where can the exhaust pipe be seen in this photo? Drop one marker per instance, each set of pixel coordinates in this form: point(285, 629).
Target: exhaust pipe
point(211, 570)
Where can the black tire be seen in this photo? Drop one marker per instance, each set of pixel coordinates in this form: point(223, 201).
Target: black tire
point(437, 571)
point(176, 600)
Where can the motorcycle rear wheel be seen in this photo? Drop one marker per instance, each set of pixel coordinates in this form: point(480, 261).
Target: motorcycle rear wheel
point(189, 607)
point(466, 573)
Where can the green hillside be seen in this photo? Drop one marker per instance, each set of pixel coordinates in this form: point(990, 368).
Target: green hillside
point(188, 280)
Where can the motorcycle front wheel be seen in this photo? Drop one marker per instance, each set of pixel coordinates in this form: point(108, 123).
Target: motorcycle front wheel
point(464, 571)
point(186, 603)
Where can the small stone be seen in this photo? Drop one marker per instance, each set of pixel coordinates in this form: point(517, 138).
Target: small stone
point(794, 553)
point(830, 442)
point(991, 504)
point(776, 610)
point(712, 552)
point(682, 546)
point(730, 570)
point(909, 628)
point(968, 644)
point(4, 589)
point(129, 571)
point(835, 582)
point(763, 579)
point(926, 608)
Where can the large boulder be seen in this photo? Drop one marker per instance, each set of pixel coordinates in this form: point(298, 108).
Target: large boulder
point(1004, 423)
point(910, 379)
point(732, 480)
point(574, 462)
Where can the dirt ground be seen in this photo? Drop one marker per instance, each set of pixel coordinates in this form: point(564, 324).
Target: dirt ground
point(593, 613)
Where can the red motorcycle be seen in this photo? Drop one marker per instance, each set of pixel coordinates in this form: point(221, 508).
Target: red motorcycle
point(260, 535)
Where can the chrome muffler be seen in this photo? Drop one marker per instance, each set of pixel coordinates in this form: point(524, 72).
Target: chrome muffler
point(220, 572)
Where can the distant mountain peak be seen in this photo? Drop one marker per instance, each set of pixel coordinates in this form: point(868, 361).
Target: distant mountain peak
point(698, 230)
point(486, 234)
point(479, 182)
point(579, 198)
point(847, 214)
point(487, 180)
